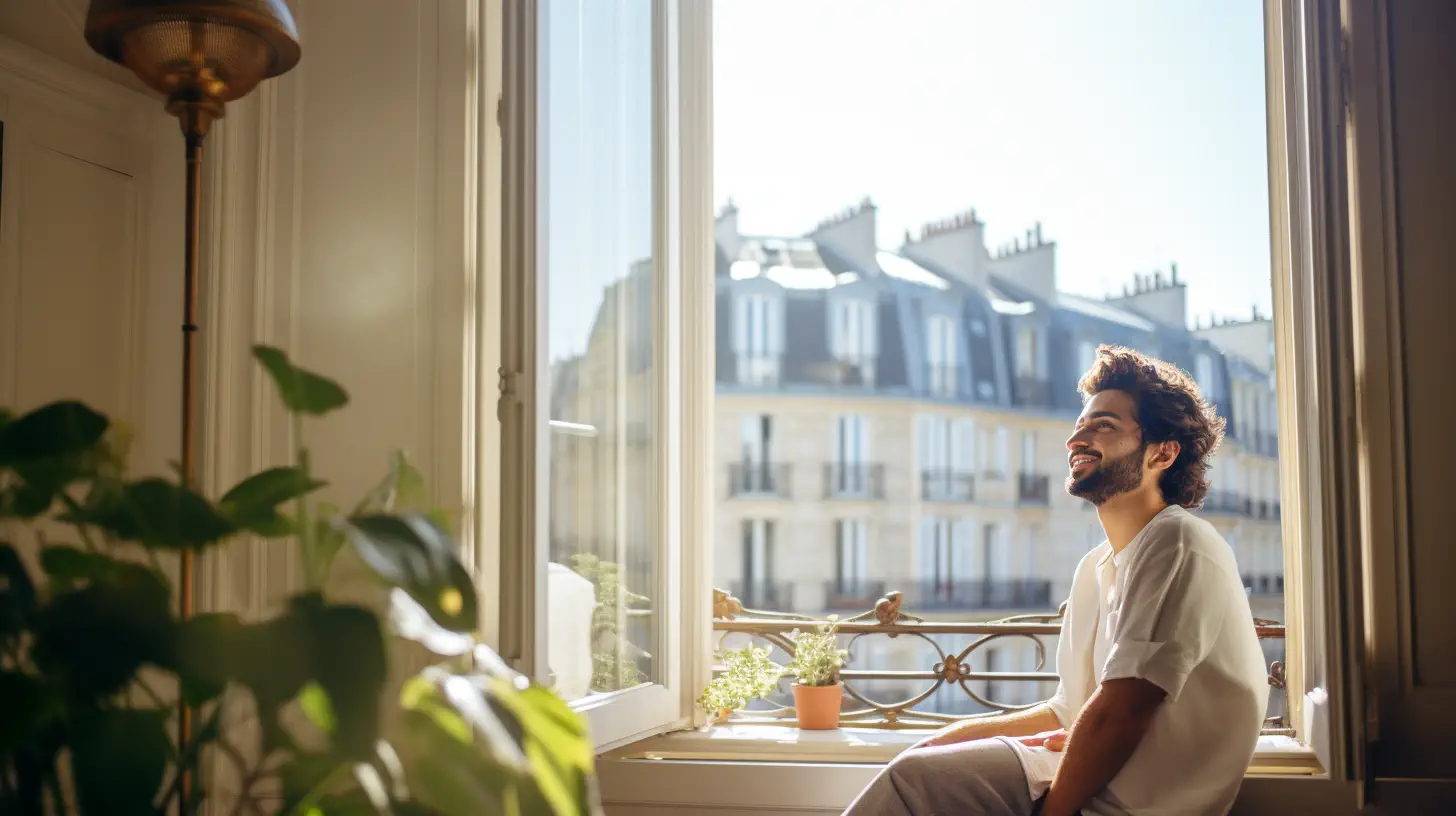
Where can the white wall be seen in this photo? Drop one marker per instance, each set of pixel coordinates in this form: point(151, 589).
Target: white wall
point(90, 249)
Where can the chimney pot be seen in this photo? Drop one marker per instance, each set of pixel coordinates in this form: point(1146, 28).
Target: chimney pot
point(1173, 270)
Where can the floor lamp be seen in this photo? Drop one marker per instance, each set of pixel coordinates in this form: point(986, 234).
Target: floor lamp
point(200, 55)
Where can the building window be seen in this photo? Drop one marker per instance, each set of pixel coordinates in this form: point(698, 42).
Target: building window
point(1086, 356)
point(946, 450)
point(758, 338)
point(941, 355)
point(1027, 365)
point(946, 554)
point(852, 330)
point(758, 562)
point(756, 468)
point(1203, 374)
point(851, 546)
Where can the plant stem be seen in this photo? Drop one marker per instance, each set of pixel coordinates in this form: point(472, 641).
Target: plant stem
point(188, 758)
point(75, 508)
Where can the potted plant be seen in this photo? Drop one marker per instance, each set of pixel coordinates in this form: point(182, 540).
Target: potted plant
point(816, 664)
point(289, 714)
point(748, 674)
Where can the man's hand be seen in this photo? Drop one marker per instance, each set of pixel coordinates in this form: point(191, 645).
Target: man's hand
point(1050, 740)
point(1033, 720)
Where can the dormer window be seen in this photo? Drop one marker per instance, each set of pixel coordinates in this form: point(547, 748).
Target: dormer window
point(853, 341)
point(757, 338)
point(941, 355)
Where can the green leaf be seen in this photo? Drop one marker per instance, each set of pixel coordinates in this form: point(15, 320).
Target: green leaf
point(68, 566)
point(30, 707)
point(119, 758)
point(94, 639)
point(303, 392)
point(351, 667)
point(449, 776)
point(51, 431)
point(160, 515)
point(411, 553)
point(31, 499)
point(266, 490)
point(17, 593)
point(557, 751)
point(316, 706)
point(207, 650)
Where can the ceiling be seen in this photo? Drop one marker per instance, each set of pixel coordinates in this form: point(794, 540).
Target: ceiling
point(54, 27)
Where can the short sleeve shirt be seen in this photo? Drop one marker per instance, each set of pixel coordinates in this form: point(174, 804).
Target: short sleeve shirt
point(1170, 609)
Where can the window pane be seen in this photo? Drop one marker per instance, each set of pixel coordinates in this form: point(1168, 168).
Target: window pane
point(605, 542)
point(1146, 162)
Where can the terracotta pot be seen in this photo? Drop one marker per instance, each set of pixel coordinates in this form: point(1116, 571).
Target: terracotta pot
point(817, 707)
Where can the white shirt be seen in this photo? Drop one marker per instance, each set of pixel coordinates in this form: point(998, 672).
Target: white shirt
point(1170, 609)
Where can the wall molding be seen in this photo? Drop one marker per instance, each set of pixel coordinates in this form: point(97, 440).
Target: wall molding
point(63, 88)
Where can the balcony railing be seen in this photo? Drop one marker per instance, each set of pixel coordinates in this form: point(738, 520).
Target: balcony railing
point(945, 484)
point(946, 381)
point(854, 480)
point(759, 479)
point(949, 667)
point(1033, 488)
point(1264, 584)
point(758, 369)
point(1032, 391)
point(844, 370)
point(852, 594)
point(985, 594)
point(1222, 503)
point(776, 595)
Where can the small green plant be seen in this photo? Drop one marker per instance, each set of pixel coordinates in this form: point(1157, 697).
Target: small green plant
point(748, 674)
point(817, 656)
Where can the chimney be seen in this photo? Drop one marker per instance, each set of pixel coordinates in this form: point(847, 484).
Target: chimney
point(1158, 280)
point(1173, 270)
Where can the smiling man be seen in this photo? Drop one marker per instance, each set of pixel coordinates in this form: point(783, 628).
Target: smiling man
point(1163, 687)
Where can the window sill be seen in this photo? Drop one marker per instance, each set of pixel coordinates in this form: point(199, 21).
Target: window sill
point(1275, 756)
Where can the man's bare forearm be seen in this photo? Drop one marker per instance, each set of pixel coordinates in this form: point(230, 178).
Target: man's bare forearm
point(1033, 720)
point(1106, 733)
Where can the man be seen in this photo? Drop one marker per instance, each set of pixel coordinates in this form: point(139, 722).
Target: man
point(1163, 686)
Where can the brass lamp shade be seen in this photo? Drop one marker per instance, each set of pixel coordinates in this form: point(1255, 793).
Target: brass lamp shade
point(200, 54)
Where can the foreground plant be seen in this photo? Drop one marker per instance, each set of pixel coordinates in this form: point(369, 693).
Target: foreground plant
point(817, 656)
point(89, 638)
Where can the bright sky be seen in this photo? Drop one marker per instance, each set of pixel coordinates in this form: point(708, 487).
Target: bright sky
point(1134, 130)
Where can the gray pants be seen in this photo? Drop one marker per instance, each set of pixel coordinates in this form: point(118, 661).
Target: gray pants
point(977, 778)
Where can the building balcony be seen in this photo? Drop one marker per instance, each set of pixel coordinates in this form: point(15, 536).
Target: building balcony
point(946, 381)
point(944, 484)
point(1033, 391)
point(1033, 489)
point(759, 370)
point(985, 594)
point(1222, 502)
point(1269, 444)
point(1264, 584)
point(759, 480)
point(953, 646)
point(854, 481)
point(777, 596)
point(855, 595)
point(843, 371)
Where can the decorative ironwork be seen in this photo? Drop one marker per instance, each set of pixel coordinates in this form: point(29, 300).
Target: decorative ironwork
point(889, 619)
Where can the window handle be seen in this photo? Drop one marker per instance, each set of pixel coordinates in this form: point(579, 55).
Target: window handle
point(572, 428)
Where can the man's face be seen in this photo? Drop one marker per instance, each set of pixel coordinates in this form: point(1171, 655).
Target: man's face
point(1106, 452)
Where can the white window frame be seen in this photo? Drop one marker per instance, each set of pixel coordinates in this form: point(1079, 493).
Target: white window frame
point(851, 546)
point(683, 357)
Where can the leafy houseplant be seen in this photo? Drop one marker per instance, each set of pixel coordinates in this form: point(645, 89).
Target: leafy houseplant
point(610, 672)
point(816, 664)
point(748, 674)
point(90, 641)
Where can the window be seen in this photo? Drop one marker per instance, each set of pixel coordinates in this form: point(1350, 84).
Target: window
point(757, 588)
point(1086, 356)
point(946, 450)
point(1028, 452)
point(852, 330)
point(941, 355)
point(852, 549)
point(601, 298)
point(1203, 375)
point(757, 332)
point(942, 551)
point(756, 470)
point(1027, 364)
point(850, 471)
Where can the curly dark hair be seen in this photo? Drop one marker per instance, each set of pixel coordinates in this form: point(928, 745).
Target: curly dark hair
point(1170, 408)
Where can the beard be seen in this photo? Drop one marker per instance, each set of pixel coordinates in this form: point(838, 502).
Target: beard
point(1110, 478)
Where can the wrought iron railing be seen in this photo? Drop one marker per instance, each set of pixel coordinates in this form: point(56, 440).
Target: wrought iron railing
point(854, 480)
point(1033, 391)
point(946, 484)
point(759, 479)
point(982, 594)
point(950, 668)
point(1033, 488)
